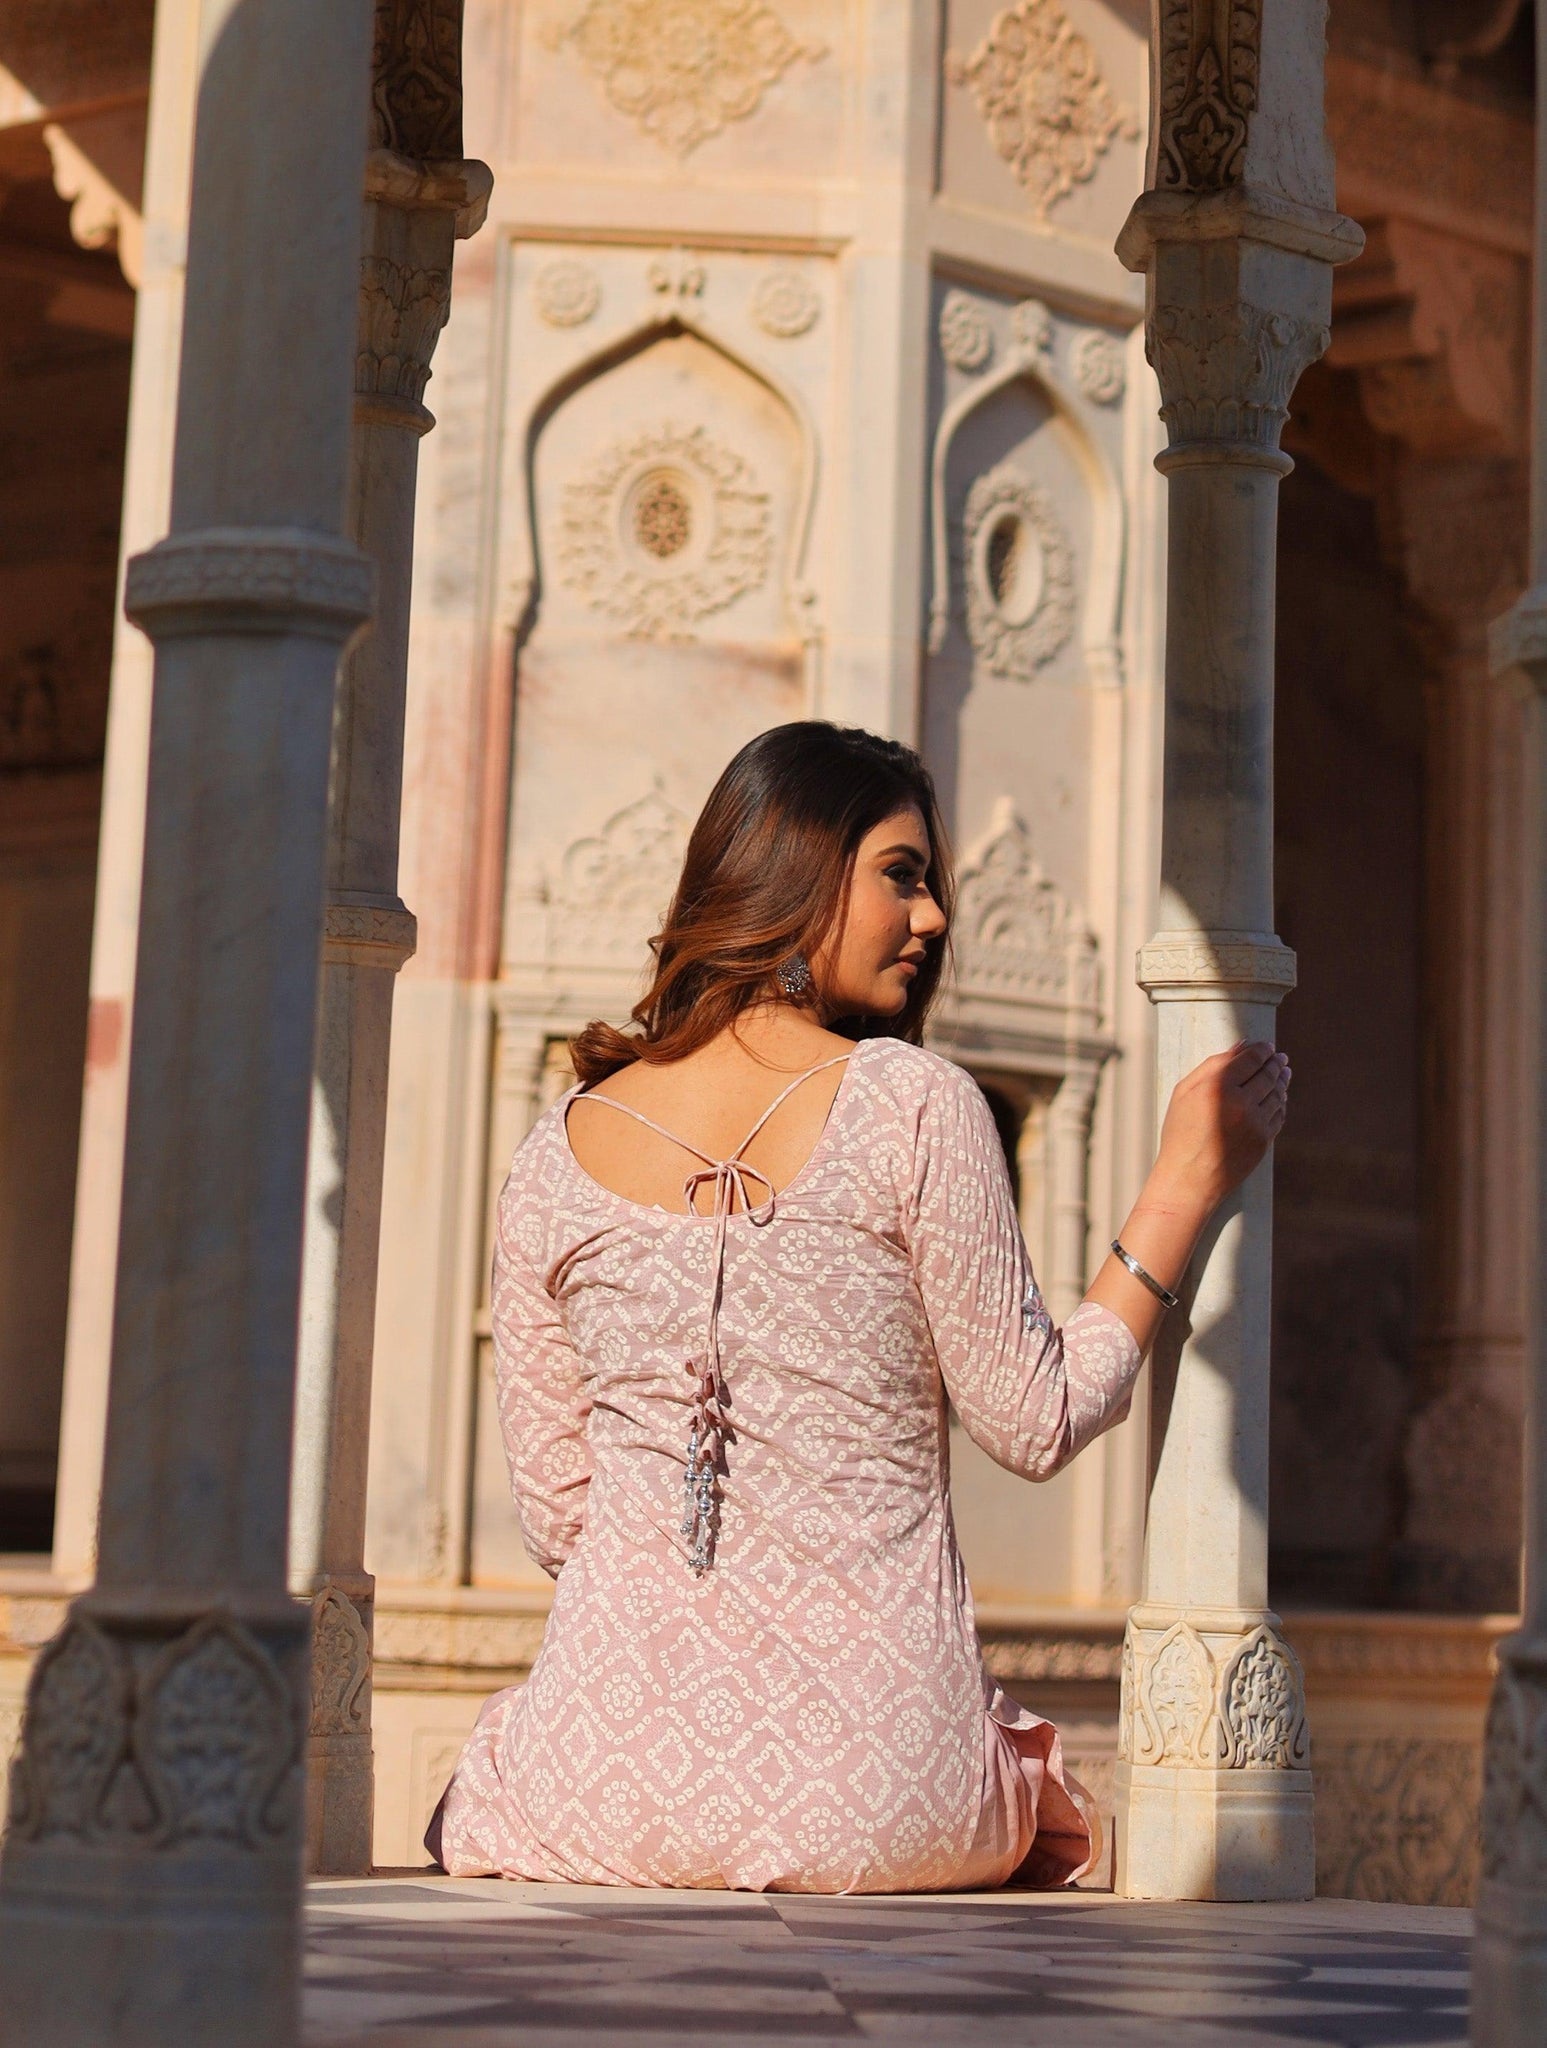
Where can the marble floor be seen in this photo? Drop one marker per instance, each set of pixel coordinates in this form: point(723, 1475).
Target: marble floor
point(467, 1963)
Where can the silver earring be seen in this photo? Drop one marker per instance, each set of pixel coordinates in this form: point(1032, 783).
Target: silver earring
point(794, 977)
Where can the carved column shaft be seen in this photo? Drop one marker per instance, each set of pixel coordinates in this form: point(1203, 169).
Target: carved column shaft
point(1236, 235)
point(1509, 1954)
point(149, 1890)
point(420, 196)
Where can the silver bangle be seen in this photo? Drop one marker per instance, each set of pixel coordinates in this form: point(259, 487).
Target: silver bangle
point(1162, 1294)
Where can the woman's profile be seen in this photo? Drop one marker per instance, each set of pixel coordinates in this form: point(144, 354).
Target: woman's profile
point(741, 1268)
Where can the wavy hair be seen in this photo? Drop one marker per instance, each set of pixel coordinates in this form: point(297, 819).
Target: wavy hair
point(766, 876)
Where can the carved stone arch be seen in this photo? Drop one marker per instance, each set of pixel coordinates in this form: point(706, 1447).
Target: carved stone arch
point(1028, 360)
point(523, 583)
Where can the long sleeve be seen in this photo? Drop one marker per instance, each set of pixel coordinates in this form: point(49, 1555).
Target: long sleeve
point(543, 1405)
point(1029, 1394)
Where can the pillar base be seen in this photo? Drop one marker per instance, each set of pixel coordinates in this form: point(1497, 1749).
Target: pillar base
point(1189, 1833)
point(340, 1764)
point(148, 1891)
point(1509, 1965)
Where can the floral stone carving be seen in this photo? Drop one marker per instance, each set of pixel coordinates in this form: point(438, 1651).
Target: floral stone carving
point(785, 304)
point(668, 527)
point(216, 1734)
point(966, 338)
point(1049, 111)
point(1208, 53)
point(1226, 371)
point(341, 1664)
point(682, 69)
point(1262, 1706)
point(1211, 1698)
point(402, 311)
point(75, 1736)
point(1097, 362)
point(1019, 574)
point(1017, 935)
point(613, 887)
point(416, 79)
point(566, 293)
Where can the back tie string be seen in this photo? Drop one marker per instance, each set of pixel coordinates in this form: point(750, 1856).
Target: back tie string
point(711, 1428)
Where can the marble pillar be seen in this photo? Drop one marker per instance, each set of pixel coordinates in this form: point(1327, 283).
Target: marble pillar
point(150, 1881)
point(158, 321)
point(1236, 232)
point(420, 197)
point(1509, 1953)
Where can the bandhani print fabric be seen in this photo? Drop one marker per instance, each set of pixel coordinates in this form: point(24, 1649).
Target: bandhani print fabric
point(810, 1712)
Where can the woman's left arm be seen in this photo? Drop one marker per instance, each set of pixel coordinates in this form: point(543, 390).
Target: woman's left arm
point(1028, 1393)
point(543, 1406)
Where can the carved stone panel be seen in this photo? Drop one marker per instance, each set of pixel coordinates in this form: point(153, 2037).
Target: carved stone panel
point(1208, 53)
point(1019, 573)
point(1039, 89)
point(681, 70)
point(668, 526)
point(416, 84)
point(1016, 935)
point(1212, 1697)
point(612, 888)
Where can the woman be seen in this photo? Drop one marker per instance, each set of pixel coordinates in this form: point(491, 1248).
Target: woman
point(740, 1267)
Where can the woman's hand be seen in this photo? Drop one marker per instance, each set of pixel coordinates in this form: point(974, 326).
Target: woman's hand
point(1221, 1120)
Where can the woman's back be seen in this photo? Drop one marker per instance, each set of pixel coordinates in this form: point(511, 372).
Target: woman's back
point(806, 1708)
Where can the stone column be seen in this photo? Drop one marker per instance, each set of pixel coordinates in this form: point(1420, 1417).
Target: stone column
point(158, 324)
point(149, 1889)
point(420, 196)
point(1237, 234)
point(1509, 1952)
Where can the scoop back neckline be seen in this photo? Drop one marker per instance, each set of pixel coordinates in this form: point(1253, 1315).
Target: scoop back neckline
point(653, 1209)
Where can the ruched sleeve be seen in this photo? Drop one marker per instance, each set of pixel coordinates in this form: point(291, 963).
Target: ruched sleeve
point(1028, 1393)
point(544, 1401)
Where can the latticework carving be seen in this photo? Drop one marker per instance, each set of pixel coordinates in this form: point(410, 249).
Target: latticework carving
point(682, 70)
point(1049, 111)
point(611, 534)
point(1208, 62)
point(416, 79)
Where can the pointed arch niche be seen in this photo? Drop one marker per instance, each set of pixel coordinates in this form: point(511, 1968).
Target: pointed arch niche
point(1020, 694)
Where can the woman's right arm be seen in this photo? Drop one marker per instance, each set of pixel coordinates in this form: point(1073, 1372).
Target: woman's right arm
point(543, 1405)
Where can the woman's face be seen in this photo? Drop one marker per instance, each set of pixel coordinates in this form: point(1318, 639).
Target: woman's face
point(868, 968)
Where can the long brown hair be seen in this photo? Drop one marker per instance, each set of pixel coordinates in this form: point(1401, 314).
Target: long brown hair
point(766, 876)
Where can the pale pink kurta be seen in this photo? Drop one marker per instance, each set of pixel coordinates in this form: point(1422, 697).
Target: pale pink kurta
point(812, 1713)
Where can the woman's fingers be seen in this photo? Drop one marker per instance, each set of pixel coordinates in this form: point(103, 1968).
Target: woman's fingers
point(1245, 1062)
